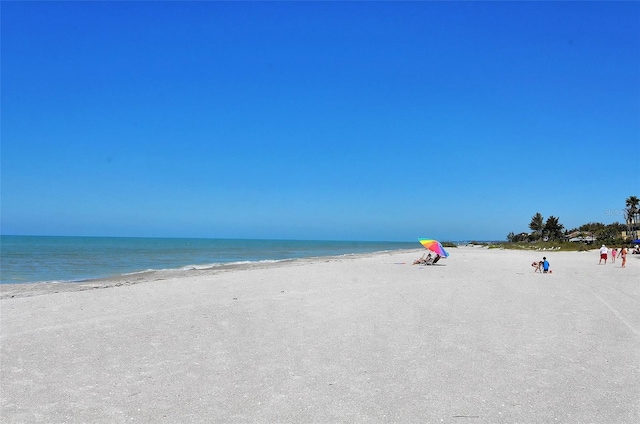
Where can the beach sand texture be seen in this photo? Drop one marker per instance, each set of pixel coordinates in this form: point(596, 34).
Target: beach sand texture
point(477, 338)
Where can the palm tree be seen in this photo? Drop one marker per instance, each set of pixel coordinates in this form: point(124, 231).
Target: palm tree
point(537, 224)
point(632, 216)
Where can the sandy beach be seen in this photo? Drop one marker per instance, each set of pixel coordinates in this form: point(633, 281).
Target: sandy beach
point(477, 338)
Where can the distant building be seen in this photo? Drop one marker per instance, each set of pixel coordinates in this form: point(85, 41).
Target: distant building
point(581, 237)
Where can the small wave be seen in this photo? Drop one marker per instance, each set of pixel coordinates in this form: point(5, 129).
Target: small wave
point(226, 264)
point(52, 282)
point(143, 271)
point(200, 267)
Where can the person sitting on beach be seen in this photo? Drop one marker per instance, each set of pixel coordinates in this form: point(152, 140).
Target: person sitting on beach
point(422, 260)
point(545, 265)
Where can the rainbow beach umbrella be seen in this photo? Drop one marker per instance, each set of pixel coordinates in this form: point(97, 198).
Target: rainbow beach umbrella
point(434, 246)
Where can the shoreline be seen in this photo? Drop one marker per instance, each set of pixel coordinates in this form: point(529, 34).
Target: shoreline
point(42, 259)
point(15, 290)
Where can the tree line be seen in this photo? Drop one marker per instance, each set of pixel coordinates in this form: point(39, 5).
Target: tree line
point(552, 230)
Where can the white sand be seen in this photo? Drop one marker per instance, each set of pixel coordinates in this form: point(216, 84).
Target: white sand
point(480, 338)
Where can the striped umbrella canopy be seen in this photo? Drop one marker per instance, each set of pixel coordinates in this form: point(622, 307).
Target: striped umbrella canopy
point(434, 246)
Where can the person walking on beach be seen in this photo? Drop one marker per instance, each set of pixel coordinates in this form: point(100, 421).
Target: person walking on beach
point(623, 254)
point(613, 255)
point(603, 254)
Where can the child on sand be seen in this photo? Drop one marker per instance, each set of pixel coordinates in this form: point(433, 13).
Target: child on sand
point(613, 255)
point(537, 266)
point(545, 265)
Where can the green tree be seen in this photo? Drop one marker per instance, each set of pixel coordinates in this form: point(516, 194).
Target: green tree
point(553, 228)
point(610, 233)
point(515, 238)
point(537, 225)
point(591, 227)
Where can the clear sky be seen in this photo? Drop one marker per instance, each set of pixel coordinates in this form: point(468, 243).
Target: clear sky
point(317, 120)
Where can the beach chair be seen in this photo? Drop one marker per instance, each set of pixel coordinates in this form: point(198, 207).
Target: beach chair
point(432, 261)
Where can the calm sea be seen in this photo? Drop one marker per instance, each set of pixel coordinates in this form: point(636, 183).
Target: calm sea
point(29, 259)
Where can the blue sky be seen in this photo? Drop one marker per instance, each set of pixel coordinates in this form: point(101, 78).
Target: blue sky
point(317, 120)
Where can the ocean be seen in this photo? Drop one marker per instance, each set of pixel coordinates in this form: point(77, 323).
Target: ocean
point(31, 259)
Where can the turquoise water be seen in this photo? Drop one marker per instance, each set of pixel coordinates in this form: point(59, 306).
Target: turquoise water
point(28, 259)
